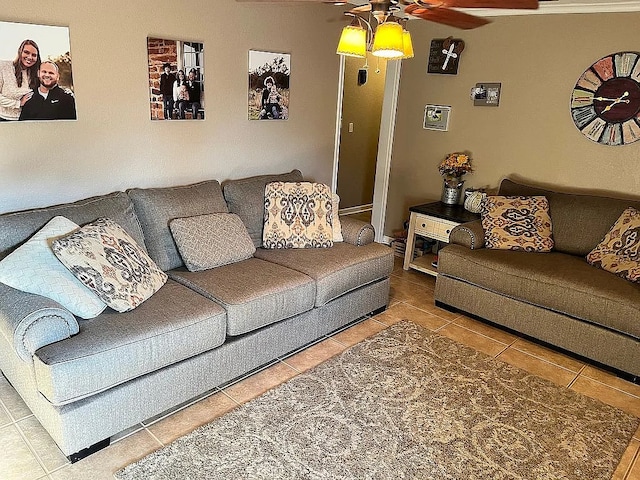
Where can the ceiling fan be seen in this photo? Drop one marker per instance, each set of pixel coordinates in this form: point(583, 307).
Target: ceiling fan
point(439, 11)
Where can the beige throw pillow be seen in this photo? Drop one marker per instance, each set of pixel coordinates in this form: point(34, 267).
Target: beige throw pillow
point(209, 241)
point(335, 219)
point(517, 223)
point(297, 215)
point(619, 251)
point(104, 257)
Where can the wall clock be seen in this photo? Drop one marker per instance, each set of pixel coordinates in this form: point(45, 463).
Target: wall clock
point(605, 103)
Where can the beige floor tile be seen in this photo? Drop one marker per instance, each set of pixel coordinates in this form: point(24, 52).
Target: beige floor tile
point(5, 419)
point(637, 434)
point(413, 276)
point(255, 385)
point(42, 444)
point(405, 311)
point(17, 461)
point(188, 419)
point(486, 330)
point(612, 380)
point(314, 355)
point(607, 394)
point(634, 471)
point(103, 464)
point(403, 290)
point(537, 366)
point(472, 339)
point(627, 460)
point(13, 403)
point(548, 355)
point(358, 332)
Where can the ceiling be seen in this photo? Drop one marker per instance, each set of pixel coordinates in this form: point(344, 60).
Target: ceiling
point(554, 7)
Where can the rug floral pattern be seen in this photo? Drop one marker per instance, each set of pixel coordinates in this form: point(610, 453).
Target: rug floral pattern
point(405, 404)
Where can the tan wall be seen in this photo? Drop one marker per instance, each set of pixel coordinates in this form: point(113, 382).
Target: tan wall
point(114, 144)
point(531, 134)
point(362, 106)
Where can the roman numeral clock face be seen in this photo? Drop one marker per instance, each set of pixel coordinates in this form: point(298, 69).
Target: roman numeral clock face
point(605, 103)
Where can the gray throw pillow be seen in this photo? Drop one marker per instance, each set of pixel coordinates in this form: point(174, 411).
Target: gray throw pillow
point(209, 241)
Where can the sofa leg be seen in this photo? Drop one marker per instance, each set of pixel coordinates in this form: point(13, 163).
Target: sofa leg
point(444, 306)
point(377, 311)
point(85, 452)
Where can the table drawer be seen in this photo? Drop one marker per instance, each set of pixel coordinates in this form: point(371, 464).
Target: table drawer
point(433, 227)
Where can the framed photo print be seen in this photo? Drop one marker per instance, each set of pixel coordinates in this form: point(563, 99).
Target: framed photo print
point(436, 117)
point(269, 75)
point(37, 74)
point(176, 79)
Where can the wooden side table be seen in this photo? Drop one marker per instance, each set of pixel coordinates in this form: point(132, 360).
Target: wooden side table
point(434, 221)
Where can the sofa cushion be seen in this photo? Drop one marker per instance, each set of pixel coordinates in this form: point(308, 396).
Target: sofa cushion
point(254, 293)
point(156, 207)
point(563, 283)
point(209, 241)
point(590, 215)
point(33, 268)
point(336, 270)
point(174, 324)
point(245, 198)
point(110, 263)
point(517, 223)
point(297, 215)
point(619, 251)
point(17, 227)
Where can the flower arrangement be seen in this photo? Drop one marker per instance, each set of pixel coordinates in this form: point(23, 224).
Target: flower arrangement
point(455, 165)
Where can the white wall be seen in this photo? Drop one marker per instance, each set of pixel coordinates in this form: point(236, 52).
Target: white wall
point(114, 145)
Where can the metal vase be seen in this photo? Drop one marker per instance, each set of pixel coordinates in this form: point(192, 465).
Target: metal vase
point(451, 191)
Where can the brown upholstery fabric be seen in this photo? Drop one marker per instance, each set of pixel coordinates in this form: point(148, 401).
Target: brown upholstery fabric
point(563, 283)
point(470, 235)
point(356, 232)
point(589, 215)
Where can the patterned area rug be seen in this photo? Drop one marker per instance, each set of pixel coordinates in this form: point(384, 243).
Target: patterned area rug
point(406, 403)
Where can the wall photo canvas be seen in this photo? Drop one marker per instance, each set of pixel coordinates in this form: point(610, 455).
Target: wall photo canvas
point(36, 80)
point(269, 75)
point(176, 79)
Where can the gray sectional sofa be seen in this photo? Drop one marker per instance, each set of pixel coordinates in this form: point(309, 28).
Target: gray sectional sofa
point(554, 297)
point(87, 380)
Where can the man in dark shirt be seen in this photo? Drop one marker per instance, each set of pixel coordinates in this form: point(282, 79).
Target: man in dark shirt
point(49, 101)
point(193, 86)
point(167, 79)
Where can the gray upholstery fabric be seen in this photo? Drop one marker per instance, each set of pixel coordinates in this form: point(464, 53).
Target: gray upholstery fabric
point(17, 227)
point(336, 270)
point(470, 235)
point(156, 207)
point(592, 216)
point(174, 324)
point(562, 283)
point(591, 341)
point(29, 321)
point(356, 232)
point(254, 293)
point(245, 198)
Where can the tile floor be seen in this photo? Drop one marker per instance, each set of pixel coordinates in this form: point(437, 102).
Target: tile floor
point(28, 453)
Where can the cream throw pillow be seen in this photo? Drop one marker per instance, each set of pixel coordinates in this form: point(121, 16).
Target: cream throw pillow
point(33, 268)
point(209, 241)
point(335, 219)
point(297, 215)
point(104, 257)
point(619, 251)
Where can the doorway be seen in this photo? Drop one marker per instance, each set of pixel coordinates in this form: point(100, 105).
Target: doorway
point(365, 123)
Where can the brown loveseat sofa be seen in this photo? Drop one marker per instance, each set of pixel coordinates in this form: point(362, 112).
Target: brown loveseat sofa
point(554, 297)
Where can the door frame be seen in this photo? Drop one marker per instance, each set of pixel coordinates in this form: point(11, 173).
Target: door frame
point(385, 142)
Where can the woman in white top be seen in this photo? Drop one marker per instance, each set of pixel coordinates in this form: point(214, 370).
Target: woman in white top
point(18, 80)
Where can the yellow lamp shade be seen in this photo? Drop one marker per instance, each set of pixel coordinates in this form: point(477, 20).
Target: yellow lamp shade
point(407, 45)
point(388, 41)
point(353, 42)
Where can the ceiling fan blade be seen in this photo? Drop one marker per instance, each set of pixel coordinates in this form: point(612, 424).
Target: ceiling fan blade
point(453, 18)
point(293, 1)
point(510, 4)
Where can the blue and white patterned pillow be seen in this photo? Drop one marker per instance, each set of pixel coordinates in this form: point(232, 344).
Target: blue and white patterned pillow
point(104, 257)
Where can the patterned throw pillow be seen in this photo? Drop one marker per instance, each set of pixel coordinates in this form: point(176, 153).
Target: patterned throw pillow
point(107, 260)
point(517, 223)
point(335, 219)
point(209, 241)
point(297, 215)
point(619, 251)
point(33, 268)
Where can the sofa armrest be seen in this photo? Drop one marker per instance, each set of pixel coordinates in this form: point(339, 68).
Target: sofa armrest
point(29, 321)
point(470, 235)
point(356, 232)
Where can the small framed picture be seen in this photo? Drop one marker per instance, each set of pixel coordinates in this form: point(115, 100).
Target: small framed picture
point(436, 117)
point(486, 94)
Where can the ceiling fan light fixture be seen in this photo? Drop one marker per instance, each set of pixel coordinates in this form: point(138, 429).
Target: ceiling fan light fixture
point(407, 45)
point(353, 42)
point(388, 41)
